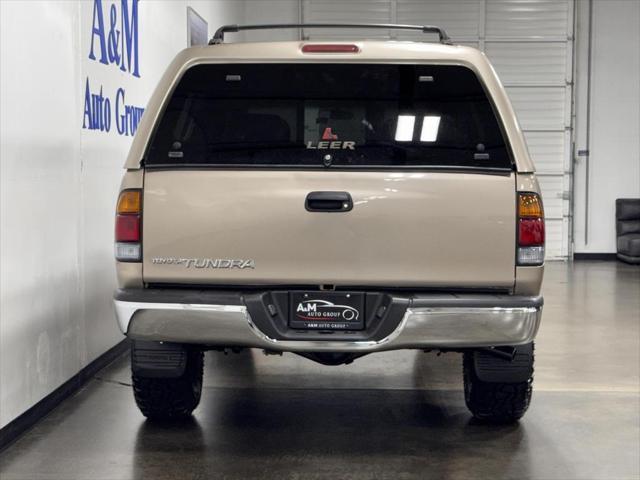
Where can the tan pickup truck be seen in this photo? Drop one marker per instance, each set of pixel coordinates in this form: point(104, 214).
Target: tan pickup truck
point(331, 199)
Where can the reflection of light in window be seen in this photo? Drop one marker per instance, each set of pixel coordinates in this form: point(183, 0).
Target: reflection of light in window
point(429, 129)
point(404, 131)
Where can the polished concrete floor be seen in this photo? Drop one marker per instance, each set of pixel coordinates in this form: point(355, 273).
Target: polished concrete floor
point(395, 415)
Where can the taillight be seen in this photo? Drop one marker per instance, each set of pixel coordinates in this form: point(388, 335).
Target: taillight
point(129, 226)
point(530, 229)
point(330, 48)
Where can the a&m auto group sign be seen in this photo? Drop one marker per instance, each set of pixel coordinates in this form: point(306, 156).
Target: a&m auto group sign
point(113, 45)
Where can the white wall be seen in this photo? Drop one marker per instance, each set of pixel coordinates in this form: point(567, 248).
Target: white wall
point(614, 161)
point(271, 11)
point(59, 182)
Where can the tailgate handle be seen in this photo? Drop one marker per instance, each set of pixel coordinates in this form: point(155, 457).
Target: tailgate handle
point(328, 202)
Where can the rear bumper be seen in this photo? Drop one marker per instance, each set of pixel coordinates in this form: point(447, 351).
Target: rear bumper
point(429, 321)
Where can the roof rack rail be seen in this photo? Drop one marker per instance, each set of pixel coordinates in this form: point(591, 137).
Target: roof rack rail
point(218, 37)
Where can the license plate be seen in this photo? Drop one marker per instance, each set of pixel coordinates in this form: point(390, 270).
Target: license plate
point(326, 310)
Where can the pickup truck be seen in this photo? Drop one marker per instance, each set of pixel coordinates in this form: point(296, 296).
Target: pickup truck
point(331, 199)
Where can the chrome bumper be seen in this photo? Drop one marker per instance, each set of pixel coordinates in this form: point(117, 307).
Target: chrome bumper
point(421, 327)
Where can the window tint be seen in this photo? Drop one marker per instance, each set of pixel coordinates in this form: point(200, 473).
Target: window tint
point(341, 115)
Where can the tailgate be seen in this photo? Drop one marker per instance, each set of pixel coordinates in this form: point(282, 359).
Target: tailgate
point(418, 149)
point(413, 229)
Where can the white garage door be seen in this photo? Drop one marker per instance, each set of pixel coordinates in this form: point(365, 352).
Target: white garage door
point(529, 43)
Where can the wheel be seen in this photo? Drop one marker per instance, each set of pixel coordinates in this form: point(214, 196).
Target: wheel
point(498, 390)
point(172, 398)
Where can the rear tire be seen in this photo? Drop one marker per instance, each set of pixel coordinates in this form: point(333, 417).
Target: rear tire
point(171, 398)
point(498, 401)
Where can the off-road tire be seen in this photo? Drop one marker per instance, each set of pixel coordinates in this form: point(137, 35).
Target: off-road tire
point(171, 398)
point(495, 402)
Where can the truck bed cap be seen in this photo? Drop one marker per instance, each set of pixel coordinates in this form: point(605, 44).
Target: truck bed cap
point(370, 51)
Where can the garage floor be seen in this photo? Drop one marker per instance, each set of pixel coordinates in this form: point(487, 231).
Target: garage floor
point(394, 415)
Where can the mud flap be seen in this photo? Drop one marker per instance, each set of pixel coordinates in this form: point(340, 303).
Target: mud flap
point(158, 360)
point(493, 368)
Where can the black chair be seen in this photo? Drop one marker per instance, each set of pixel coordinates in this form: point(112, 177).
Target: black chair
point(628, 229)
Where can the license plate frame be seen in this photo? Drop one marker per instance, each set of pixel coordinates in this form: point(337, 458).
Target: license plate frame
point(318, 310)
